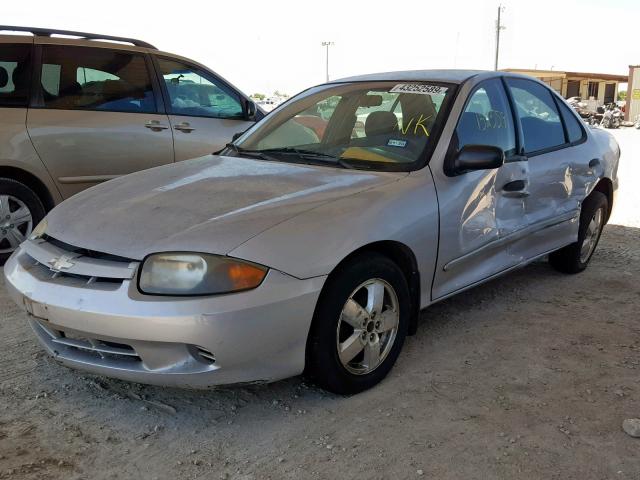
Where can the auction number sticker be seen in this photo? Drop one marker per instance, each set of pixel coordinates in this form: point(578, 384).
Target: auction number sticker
point(419, 88)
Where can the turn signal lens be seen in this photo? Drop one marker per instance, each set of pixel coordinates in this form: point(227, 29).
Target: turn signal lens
point(197, 274)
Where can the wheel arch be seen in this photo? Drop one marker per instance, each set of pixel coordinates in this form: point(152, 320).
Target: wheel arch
point(605, 186)
point(30, 181)
point(401, 255)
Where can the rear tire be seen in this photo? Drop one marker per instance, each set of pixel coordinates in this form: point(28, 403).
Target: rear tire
point(574, 258)
point(359, 325)
point(20, 211)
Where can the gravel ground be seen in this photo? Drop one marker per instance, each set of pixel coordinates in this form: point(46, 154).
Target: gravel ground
point(529, 376)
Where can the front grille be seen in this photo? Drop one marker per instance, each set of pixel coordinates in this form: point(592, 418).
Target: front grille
point(97, 348)
point(44, 272)
point(55, 261)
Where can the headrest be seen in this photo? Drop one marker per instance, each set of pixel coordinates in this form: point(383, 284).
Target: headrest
point(4, 77)
point(380, 123)
point(115, 89)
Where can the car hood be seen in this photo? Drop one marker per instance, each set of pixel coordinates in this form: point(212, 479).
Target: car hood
point(210, 204)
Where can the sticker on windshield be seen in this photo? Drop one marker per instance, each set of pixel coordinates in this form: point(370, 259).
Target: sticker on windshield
point(396, 143)
point(419, 88)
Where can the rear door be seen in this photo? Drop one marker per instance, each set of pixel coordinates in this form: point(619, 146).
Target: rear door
point(97, 115)
point(205, 112)
point(559, 168)
point(481, 212)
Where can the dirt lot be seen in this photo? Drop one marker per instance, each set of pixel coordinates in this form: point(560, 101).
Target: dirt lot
point(529, 376)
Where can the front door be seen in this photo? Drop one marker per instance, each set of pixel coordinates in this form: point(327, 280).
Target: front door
point(481, 212)
point(205, 112)
point(96, 116)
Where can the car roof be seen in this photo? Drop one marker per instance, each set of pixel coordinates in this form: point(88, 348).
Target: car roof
point(446, 76)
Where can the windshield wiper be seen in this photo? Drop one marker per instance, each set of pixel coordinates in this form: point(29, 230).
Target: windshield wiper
point(250, 153)
point(309, 155)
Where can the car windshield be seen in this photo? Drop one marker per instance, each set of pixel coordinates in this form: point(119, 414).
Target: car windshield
point(375, 125)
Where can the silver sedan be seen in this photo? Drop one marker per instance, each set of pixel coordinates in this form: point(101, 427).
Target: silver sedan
point(312, 242)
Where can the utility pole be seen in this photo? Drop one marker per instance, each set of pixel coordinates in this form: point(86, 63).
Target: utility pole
point(498, 28)
point(327, 45)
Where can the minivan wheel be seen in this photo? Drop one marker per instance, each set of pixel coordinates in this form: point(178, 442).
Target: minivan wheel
point(574, 258)
point(359, 325)
point(20, 211)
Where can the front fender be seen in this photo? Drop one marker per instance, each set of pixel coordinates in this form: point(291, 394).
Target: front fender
point(314, 243)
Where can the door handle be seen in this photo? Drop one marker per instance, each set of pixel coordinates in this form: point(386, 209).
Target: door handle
point(594, 163)
point(515, 189)
point(184, 127)
point(155, 125)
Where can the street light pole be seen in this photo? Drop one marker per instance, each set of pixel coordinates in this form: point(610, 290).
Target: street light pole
point(498, 28)
point(327, 45)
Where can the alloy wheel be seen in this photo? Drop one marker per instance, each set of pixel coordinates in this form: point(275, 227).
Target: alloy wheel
point(591, 236)
point(16, 223)
point(368, 326)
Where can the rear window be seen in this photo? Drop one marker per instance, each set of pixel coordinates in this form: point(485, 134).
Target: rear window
point(15, 75)
point(83, 78)
point(575, 131)
point(541, 125)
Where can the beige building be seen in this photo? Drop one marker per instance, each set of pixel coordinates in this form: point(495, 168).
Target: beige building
point(600, 88)
point(633, 93)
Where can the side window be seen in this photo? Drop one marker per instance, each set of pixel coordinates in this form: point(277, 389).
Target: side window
point(575, 131)
point(15, 75)
point(541, 125)
point(84, 78)
point(487, 119)
point(195, 93)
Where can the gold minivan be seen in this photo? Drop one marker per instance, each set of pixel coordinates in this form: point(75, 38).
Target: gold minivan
point(77, 109)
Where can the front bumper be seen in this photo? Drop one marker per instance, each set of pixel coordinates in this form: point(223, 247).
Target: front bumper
point(109, 328)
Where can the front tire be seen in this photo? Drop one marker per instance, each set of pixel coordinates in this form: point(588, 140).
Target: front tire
point(359, 325)
point(574, 258)
point(20, 211)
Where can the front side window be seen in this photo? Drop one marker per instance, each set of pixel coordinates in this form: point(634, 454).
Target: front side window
point(487, 119)
point(377, 124)
point(196, 93)
point(15, 75)
point(541, 125)
point(83, 78)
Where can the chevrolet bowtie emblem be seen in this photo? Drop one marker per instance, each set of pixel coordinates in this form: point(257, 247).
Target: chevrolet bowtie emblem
point(61, 263)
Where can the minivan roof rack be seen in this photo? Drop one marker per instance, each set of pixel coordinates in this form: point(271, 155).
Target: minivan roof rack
point(47, 32)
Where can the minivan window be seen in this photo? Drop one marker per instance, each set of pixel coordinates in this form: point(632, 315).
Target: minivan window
point(487, 119)
point(15, 75)
point(541, 125)
point(574, 129)
point(84, 78)
point(196, 93)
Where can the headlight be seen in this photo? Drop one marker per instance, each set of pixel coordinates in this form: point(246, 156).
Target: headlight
point(197, 274)
point(39, 231)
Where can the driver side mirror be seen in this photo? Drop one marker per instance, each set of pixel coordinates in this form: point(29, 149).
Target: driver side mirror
point(250, 110)
point(478, 157)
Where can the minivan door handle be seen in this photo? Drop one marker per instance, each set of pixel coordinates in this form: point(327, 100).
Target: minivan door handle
point(594, 163)
point(184, 127)
point(515, 189)
point(155, 125)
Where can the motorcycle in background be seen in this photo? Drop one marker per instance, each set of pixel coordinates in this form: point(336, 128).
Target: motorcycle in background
point(611, 117)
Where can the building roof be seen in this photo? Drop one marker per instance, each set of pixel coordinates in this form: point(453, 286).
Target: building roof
point(564, 74)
